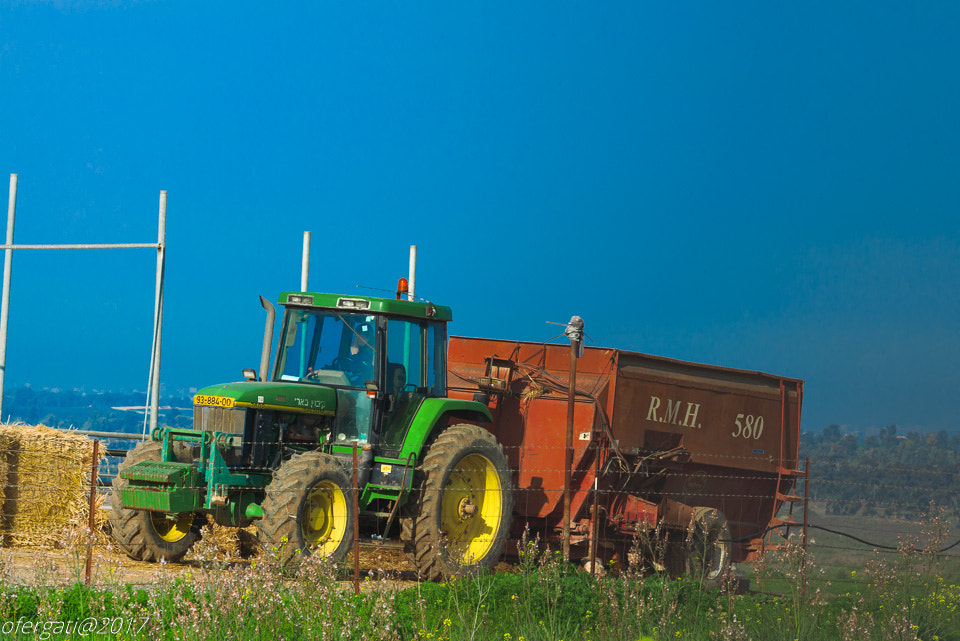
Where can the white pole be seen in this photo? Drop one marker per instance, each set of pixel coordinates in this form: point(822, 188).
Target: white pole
point(158, 314)
point(7, 266)
point(305, 267)
point(413, 272)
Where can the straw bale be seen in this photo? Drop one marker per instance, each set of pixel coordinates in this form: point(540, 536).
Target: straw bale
point(230, 541)
point(47, 474)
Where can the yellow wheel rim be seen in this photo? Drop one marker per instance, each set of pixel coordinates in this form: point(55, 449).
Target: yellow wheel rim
point(471, 508)
point(172, 530)
point(324, 518)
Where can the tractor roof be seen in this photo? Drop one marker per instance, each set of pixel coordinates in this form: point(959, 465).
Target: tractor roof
point(370, 304)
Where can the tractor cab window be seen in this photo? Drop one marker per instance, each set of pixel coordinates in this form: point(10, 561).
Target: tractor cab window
point(415, 357)
point(415, 371)
point(327, 347)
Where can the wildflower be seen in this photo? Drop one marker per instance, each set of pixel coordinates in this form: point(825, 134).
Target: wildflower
point(446, 623)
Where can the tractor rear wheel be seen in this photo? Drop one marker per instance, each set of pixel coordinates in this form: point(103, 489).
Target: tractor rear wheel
point(458, 518)
point(308, 509)
point(145, 535)
point(705, 552)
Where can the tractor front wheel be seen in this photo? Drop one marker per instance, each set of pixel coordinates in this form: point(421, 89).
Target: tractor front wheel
point(145, 535)
point(308, 509)
point(459, 516)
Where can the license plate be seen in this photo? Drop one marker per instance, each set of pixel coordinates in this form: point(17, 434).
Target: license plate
point(216, 401)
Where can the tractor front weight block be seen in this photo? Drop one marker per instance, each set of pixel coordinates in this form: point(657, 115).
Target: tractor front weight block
point(162, 486)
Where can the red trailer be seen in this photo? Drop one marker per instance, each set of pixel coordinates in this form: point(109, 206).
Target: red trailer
point(702, 457)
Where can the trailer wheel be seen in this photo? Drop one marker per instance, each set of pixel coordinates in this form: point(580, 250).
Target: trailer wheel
point(704, 554)
point(145, 535)
point(308, 509)
point(459, 516)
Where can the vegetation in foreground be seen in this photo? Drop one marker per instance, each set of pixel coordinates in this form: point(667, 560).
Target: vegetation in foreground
point(909, 595)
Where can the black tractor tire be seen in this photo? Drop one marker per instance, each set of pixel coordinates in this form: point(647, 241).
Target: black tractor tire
point(308, 509)
point(145, 535)
point(704, 553)
point(458, 518)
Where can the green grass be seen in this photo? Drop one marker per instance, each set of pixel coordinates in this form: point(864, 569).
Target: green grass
point(901, 596)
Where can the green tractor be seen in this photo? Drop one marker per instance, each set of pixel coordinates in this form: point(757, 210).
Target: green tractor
point(352, 374)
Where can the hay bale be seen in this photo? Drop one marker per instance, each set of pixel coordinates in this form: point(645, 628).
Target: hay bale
point(231, 542)
point(47, 477)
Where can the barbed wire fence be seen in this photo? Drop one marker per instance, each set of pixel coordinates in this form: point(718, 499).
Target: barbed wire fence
point(52, 495)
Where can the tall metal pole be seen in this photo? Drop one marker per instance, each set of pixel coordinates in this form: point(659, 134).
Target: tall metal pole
point(412, 281)
point(574, 333)
point(158, 315)
point(5, 304)
point(305, 265)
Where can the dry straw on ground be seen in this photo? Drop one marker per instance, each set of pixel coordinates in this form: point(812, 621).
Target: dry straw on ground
point(44, 485)
point(231, 542)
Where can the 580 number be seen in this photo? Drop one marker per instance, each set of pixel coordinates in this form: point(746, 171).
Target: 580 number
point(748, 426)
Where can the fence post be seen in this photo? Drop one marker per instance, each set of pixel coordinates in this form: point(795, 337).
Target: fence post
point(93, 507)
point(806, 502)
point(356, 525)
point(574, 332)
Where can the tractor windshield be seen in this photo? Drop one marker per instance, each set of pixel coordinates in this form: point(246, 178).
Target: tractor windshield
point(327, 347)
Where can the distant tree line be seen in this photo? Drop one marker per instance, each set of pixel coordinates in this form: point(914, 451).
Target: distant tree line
point(886, 474)
point(65, 409)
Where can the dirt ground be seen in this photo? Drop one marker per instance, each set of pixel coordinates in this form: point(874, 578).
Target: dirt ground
point(46, 566)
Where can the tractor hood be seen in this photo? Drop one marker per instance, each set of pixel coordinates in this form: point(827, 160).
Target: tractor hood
point(309, 399)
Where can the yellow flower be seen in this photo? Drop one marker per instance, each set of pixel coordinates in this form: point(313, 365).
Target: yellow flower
point(446, 623)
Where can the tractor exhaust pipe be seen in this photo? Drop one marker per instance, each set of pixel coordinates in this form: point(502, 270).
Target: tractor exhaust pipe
point(267, 338)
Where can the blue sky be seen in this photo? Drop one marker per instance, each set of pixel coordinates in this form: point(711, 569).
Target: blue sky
point(757, 185)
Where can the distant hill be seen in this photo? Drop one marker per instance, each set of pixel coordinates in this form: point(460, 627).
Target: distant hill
point(104, 411)
point(887, 474)
point(884, 474)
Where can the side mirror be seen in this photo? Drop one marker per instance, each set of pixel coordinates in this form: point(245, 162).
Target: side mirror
point(250, 374)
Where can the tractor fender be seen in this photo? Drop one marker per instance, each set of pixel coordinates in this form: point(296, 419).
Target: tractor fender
point(433, 415)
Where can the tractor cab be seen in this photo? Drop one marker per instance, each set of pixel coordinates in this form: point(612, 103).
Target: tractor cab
point(382, 357)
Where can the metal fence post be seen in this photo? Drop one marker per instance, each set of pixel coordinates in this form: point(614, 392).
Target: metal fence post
point(356, 524)
point(574, 333)
point(93, 508)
